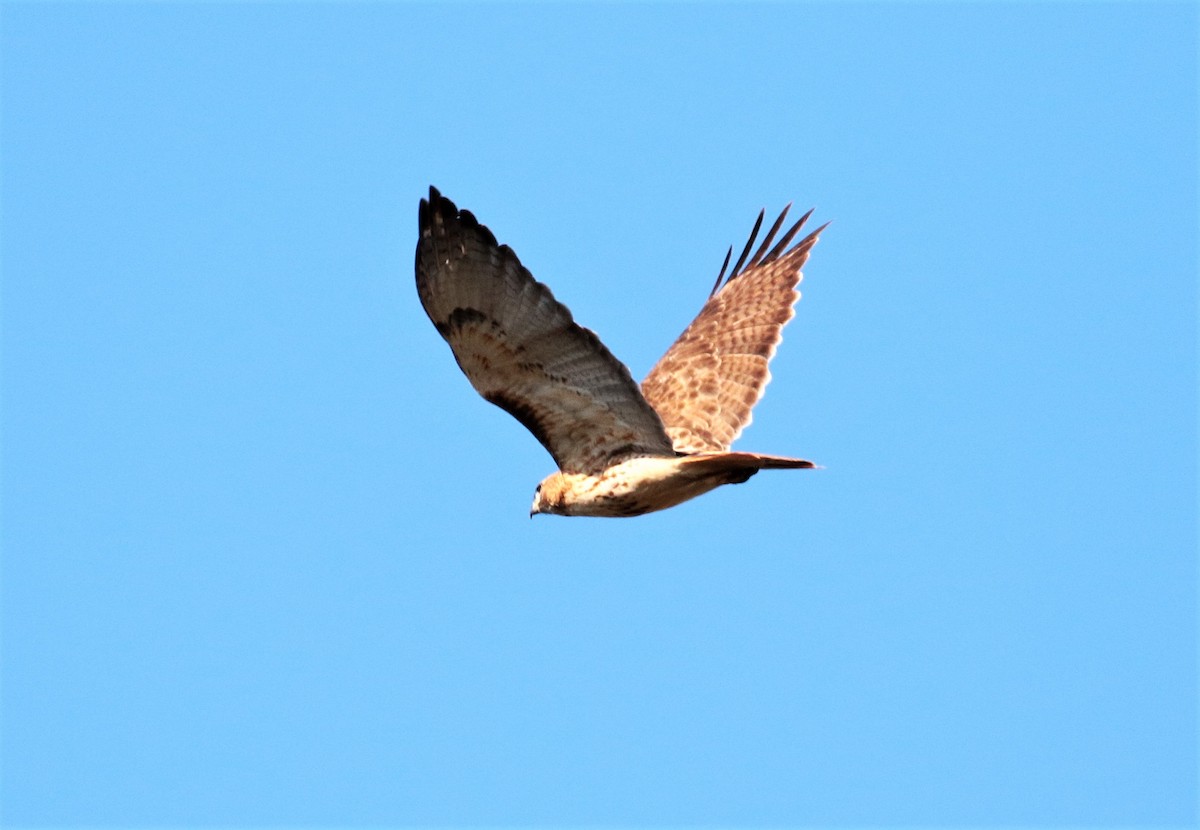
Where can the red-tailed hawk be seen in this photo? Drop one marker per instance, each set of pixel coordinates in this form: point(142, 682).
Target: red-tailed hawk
point(621, 450)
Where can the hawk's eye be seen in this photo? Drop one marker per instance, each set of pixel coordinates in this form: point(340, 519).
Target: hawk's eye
point(537, 490)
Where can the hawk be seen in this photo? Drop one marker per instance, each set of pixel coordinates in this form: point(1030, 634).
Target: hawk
point(621, 449)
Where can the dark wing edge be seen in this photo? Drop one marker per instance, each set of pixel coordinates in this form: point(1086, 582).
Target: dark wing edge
point(522, 350)
point(707, 383)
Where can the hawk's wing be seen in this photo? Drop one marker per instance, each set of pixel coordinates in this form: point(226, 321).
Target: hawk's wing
point(521, 349)
point(704, 387)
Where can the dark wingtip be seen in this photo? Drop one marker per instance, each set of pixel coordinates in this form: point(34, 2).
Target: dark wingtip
point(761, 256)
point(810, 240)
point(766, 243)
point(435, 205)
point(721, 275)
point(449, 214)
point(749, 244)
point(782, 247)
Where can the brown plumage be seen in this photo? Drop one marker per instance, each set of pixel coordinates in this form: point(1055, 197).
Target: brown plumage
point(704, 387)
point(621, 450)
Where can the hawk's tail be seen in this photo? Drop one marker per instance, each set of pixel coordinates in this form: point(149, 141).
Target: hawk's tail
point(775, 462)
point(736, 467)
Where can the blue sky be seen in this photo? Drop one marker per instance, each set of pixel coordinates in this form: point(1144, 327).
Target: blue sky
point(266, 555)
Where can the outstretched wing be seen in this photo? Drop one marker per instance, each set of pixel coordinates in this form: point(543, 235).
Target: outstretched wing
point(704, 387)
point(521, 349)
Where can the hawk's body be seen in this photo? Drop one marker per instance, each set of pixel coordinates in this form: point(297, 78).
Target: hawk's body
point(621, 450)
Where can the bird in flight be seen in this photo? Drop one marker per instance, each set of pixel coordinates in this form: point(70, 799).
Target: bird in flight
point(621, 449)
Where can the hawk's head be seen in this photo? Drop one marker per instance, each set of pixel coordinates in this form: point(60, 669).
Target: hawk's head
point(550, 496)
